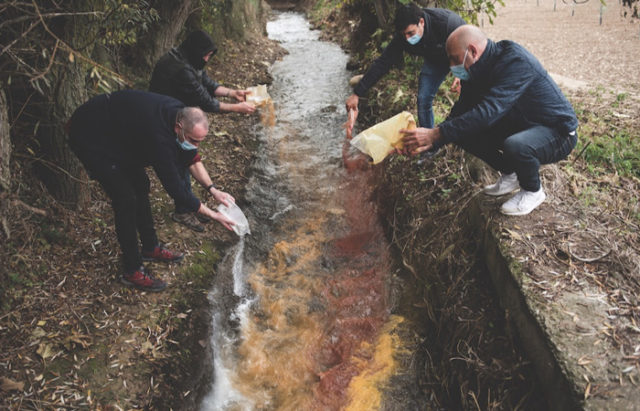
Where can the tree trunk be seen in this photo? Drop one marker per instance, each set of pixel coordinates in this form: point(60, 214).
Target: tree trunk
point(163, 34)
point(60, 170)
point(5, 144)
point(380, 12)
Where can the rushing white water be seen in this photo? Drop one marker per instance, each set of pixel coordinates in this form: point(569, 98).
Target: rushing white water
point(309, 85)
point(238, 268)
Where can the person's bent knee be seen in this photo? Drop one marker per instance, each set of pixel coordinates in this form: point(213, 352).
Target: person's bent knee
point(515, 147)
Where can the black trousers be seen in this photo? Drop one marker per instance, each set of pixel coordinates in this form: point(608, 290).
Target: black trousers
point(511, 147)
point(127, 187)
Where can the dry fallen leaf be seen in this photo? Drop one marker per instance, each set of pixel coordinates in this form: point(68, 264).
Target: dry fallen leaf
point(82, 340)
point(7, 384)
point(38, 333)
point(514, 235)
point(45, 350)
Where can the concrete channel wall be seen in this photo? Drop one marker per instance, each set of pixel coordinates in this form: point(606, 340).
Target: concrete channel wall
point(562, 336)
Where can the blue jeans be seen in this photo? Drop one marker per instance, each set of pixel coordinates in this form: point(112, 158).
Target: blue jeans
point(431, 77)
point(185, 176)
point(521, 152)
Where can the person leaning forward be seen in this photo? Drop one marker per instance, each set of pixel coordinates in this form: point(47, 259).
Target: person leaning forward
point(419, 32)
point(180, 74)
point(115, 136)
point(510, 114)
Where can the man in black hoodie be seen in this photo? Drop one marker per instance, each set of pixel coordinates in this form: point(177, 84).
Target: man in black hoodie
point(180, 74)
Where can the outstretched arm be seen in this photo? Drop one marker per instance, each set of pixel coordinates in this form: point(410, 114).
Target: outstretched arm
point(201, 175)
point(240, 95)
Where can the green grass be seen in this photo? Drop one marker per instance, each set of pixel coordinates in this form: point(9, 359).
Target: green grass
point(618, 151)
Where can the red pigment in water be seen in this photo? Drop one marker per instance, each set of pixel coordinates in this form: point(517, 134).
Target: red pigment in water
point(353, 244)
point(357, 308)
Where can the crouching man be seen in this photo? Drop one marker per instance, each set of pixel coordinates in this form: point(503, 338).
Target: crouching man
point(510, 114)
point(115, 136)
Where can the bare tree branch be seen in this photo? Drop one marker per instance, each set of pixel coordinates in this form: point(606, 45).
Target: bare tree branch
point(49, 15)
point(31, 27)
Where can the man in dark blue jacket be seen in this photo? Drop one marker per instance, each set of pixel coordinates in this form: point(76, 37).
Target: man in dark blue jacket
point(510, 114)
point(180, 74)
point(419, 32)
point(116, 136)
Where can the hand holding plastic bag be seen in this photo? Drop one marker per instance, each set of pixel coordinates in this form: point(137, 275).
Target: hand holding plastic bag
point(235, 214)
point(258, 95)
point(383, 138)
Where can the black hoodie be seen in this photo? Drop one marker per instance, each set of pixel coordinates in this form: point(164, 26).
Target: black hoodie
point(180, 74)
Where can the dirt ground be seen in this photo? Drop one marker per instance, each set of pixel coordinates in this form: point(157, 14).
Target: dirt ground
point(570, 41)
point(72, 336)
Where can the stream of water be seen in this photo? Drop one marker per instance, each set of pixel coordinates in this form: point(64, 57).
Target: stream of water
point(301, 315)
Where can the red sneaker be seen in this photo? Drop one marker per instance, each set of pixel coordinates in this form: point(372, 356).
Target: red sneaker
point(143, 280)
point(162, 254)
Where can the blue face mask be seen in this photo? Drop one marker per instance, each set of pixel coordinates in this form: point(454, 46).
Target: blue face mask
point(413, 40)
point(459, 70)
point(185, 145)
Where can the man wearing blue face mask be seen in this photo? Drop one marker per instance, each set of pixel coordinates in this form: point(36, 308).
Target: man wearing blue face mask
point(510, 113)
point(116, 136)
point(181, 74)
point(420, 32)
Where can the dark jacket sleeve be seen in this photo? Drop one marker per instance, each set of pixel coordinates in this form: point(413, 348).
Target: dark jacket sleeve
point(392, 55)
point(166, 168)
point(194, 92)
point(209, 84)
point(510, 83)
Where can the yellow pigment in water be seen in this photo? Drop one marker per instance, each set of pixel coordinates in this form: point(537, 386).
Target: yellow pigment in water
point(364, 390)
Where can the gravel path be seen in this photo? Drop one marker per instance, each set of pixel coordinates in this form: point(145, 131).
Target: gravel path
point(575, 46)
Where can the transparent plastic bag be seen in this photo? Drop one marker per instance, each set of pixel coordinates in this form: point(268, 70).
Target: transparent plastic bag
point(235, 214)
point(379, 140)
point(261, 99)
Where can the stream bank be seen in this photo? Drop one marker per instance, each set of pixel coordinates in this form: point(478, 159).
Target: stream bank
point(72, 335)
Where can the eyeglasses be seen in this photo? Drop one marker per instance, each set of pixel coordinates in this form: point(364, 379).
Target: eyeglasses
point(188, 138)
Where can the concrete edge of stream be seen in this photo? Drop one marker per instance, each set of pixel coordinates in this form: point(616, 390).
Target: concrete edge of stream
point(553, 347)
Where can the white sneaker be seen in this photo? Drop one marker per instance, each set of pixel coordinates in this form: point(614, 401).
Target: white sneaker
point(523, 202)
point(507, 183)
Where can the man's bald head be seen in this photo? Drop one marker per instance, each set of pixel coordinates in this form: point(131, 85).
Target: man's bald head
point(466, 37)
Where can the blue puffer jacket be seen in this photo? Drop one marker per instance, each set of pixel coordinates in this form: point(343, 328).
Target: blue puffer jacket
point(509, 83)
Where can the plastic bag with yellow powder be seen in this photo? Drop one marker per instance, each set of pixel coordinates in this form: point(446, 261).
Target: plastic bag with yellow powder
point(258, 95)
point(379, 140)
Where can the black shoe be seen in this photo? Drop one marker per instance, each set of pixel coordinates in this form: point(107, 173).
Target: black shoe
point(188, 220)
point(202, 218)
